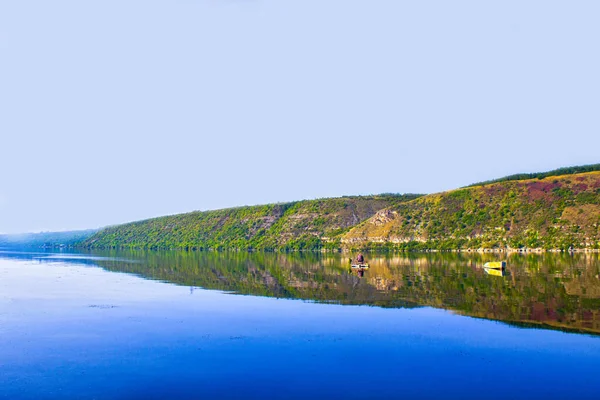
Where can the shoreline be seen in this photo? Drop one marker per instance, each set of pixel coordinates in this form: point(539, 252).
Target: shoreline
point(324, 250)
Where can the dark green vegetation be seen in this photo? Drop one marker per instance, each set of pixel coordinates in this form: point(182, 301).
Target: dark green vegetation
point(45, 239)
point(542, 175)
point(557, 212)
point(561, 291)
point(302, 225)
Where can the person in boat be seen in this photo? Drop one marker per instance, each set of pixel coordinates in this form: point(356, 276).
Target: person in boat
point(360, 259)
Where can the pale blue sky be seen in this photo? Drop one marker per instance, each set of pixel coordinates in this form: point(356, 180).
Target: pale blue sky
point(117, 110)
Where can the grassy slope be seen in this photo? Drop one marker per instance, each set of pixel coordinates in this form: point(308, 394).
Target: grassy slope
point(555, 212)
point(310, 224)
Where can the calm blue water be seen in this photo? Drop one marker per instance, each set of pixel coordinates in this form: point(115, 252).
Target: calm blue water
point(70, 328)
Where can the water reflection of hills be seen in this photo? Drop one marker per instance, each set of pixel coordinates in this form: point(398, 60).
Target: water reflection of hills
point(549, 290)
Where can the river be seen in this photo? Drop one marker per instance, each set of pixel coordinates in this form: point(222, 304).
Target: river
point(191, 325)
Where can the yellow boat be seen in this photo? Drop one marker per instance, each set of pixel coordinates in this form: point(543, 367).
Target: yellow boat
point(495, 264)
point(363, 266)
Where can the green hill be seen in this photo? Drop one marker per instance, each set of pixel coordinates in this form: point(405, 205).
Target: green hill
point(309, 224)
point(559, 209)
point(553, 212)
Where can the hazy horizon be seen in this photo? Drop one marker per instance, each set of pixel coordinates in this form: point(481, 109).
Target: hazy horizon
point(121, 111)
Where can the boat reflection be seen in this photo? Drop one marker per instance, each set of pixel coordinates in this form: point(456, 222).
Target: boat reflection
point(494, 272)
point(359, 270)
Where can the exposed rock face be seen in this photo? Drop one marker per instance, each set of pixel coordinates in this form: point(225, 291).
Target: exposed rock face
point(383, 217)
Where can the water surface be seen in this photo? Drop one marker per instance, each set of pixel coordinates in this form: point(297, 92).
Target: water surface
point(149, 325)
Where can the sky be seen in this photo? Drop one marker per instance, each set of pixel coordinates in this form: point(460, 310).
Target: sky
point(119, 110)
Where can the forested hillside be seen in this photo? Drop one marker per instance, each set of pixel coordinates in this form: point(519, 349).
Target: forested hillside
point(554, 212)
point(309, 224)
point(547, 212)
